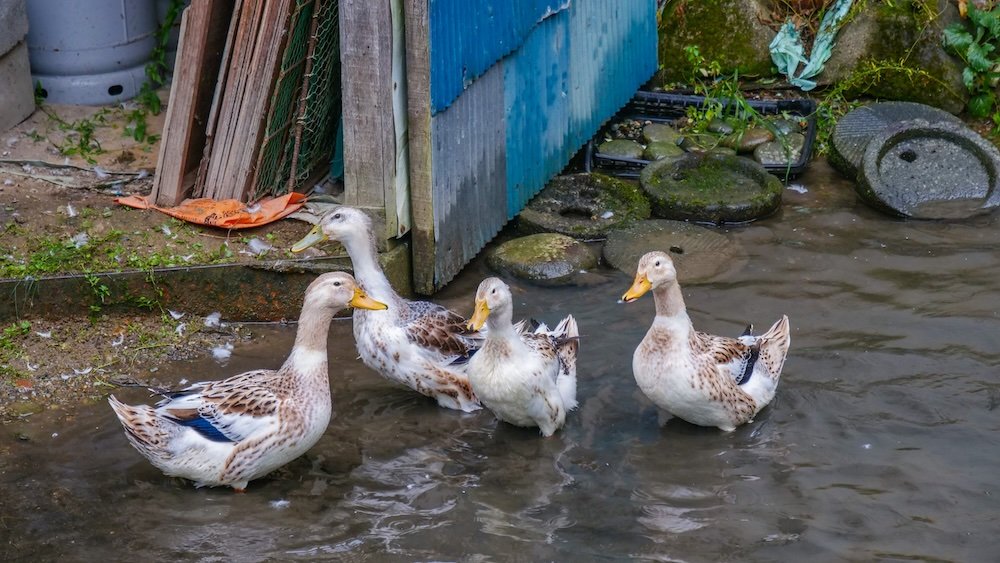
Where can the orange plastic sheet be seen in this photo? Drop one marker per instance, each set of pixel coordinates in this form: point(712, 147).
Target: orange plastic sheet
point(226, 213)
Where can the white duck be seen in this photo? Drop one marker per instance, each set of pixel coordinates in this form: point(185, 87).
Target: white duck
point(525, 378)
point(232, 431)
point(417, 343)
point(704, 379)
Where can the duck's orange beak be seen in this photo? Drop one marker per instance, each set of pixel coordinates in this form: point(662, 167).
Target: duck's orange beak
point(479, 315)
point(362, 301)
point(639, 288)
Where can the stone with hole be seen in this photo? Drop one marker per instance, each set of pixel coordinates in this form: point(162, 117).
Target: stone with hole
point(700, 253)
point(584, 206)
point(545, 258)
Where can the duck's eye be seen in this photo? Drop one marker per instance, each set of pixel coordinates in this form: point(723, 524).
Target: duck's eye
point(336, 284)
point(494, 291)
point(337, 215)
point(657, 264)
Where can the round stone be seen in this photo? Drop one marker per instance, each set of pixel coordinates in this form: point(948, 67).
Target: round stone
point(714, 188)
point(620, 148)
point(548, 258)
point(660, 133)
point(700, 254)
point(930, 171)
point(854, 130)
point(748, 140)
point(584, 206)
point(658, 150)
point(776, 152)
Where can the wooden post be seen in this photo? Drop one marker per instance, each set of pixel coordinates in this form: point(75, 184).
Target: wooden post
point(369, 138)
point(418, 72)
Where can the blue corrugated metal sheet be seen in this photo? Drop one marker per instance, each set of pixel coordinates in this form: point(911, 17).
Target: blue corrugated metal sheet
point(520, 122)
point(571, 74)
point(469, 36)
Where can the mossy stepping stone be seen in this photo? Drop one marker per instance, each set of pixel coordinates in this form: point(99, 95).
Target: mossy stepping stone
point(584, 206)
point(854, 130)
point(620, 148)
point(711, 188)
point(547, 258)
point(925, 171)
point(699, 253)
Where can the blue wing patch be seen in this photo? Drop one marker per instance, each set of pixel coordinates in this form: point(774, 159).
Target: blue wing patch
point(205, 428)
point(748, 367)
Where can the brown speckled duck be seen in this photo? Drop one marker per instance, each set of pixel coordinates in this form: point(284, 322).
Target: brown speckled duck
point(232, 431)
point(417, 343)
point(704, 379)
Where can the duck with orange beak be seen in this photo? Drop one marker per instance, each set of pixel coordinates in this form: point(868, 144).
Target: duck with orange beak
point(704, 379)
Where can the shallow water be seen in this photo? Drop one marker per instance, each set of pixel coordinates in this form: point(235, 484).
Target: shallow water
point(882, 443)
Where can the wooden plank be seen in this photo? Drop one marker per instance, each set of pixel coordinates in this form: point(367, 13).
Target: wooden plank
point(220, 88)
point(419, 125)
point(369, 138)
point(242, 121)
point(199, 53)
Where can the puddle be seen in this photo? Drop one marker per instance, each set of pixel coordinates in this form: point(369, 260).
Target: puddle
point(881, 443)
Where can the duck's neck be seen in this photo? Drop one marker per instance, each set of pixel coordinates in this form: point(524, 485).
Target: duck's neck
point(499, 324)
point(367, 271)
point(669, 301)
point(309, 353)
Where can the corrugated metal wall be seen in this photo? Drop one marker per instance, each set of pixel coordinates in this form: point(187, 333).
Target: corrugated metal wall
point(469, 36)
point(494, 141)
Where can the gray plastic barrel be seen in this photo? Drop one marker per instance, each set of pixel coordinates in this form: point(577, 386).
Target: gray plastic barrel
point(90, 52)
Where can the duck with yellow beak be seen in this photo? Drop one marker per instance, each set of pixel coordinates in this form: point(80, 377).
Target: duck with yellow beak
point(419, 344)
point(527, 378)
point(704, 379)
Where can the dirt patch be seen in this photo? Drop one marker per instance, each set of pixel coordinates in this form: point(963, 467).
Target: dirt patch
point(58, 179)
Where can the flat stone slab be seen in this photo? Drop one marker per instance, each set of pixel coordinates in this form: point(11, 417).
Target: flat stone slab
point(856, 129)
point(716, 188)
point(584, 206)
point(930, 171)
point(547, 258)
point(699, 253)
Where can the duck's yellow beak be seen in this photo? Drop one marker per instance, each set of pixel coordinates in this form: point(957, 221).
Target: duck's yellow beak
point(362, 301)
point(315, 236)
point(639, 288)
point(479, 315)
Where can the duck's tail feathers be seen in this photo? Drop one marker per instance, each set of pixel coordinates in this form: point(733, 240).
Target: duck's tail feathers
point(774, 346)
point(567, 345)
point(144, 429)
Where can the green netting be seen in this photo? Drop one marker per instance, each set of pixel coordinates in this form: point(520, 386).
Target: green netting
point(299, 137)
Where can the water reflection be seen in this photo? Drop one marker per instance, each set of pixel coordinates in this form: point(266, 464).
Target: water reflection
point(881, 442)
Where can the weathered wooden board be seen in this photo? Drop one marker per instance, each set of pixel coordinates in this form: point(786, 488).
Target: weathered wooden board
point(199, 55)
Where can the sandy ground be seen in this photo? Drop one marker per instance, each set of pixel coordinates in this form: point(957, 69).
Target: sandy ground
point(47, 198)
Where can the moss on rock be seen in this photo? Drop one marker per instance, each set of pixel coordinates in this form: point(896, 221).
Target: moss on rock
point(711, 188)
point(727, 31)
point(545, 257)
point(584, 206)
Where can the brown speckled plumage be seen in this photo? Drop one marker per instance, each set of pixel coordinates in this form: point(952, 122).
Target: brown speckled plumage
point(232, 431)
point(418, 344)
point(705, 379)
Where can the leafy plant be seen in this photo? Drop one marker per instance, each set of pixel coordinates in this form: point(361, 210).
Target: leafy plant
point(156, 73)
point(977, 48)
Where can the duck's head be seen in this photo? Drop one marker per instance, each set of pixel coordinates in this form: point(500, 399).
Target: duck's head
point(338, 290)
point(655, 269)
point(342, 223)
point(493, 296)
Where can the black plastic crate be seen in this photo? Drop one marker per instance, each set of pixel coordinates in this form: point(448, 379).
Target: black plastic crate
point(661, 107)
